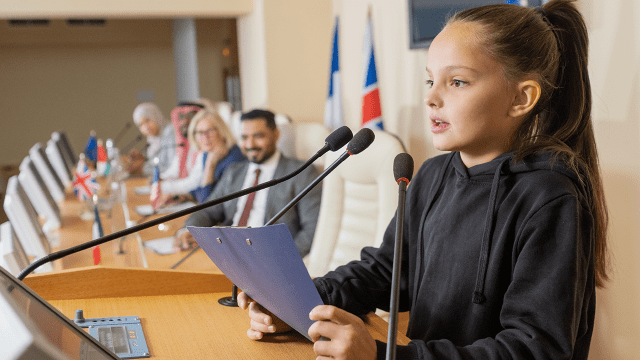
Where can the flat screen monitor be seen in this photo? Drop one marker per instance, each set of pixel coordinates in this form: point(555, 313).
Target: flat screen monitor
point(70, 156)
point(45, 169)
point(33, 329)
point(57, 161)
point(12, 255)
point(24, 220)
point(427, 17)
point(39, 195)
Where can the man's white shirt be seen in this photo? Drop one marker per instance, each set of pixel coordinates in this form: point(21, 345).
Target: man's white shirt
point(267, 170)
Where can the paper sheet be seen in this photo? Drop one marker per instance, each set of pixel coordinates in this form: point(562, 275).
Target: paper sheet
point(143, 190)
point(264, 263)
point(145, 210)
point(162, 246)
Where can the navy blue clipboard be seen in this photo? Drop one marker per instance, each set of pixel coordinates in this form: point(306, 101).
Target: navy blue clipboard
point(264, 263)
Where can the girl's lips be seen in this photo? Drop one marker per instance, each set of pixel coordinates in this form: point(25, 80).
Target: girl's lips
point(438, 126)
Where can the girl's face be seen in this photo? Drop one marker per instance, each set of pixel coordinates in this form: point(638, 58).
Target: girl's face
point(149, 127)
point(207, 135)
point(469, 98)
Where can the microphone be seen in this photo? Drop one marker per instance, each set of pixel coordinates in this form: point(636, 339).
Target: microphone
point(169, 146)
point(336, 141)
point(132, 144)
point(361, 140)
point(402, 172)
point(126, 127)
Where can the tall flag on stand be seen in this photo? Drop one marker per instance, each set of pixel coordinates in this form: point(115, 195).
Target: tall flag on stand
point(91, 149)
point(155, 185)
point(84, 184)
point(333, 107)
point(97, 231)
point(371, 110)
point(102, 166)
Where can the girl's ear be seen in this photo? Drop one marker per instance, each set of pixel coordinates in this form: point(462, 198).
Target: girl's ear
point(526, 98)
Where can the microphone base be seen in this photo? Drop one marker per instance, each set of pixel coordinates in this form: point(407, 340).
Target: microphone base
point(228, 301)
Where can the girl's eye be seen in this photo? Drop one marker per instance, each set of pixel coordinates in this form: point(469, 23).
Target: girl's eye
point(429, 83)
point(459, 83)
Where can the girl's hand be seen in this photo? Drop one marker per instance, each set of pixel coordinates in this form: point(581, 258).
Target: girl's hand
point(262, 321)
point(348, 338)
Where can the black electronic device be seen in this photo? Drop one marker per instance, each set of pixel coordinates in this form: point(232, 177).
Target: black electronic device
point(33, 329)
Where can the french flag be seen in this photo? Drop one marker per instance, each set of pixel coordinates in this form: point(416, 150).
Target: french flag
point(371, 111)
point(333, 107)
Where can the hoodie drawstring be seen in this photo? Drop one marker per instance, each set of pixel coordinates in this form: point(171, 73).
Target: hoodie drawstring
point(478, 293)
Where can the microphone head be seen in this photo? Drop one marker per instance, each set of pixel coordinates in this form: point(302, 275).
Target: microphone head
point(338, 138)
point(361, 140)
point(403, 167)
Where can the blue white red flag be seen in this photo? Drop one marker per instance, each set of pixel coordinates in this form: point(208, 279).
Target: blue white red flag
point(371, 110)
point(155, 187)
point(84, 184)
point(333, 107)
point(97, 233)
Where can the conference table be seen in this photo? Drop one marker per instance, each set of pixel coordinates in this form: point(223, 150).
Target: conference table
point(126, 252)
point(179, 309)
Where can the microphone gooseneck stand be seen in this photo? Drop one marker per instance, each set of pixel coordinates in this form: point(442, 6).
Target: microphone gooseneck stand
point(122, 132)
point(341, 135)
point(333, 142)
point(402, 171)
point(131, 144)
point(361, 140)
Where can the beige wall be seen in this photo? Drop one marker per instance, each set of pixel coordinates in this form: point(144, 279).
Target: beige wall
point(298, 45)
point(615, 77)
point(78, 79)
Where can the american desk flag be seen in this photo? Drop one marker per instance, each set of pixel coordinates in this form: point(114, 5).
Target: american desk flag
point(371, 110)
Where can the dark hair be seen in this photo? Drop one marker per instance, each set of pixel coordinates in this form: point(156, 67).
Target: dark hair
point(267, 115)
point(552, 43)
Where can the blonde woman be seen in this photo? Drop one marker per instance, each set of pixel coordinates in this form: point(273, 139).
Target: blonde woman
point(216, 148)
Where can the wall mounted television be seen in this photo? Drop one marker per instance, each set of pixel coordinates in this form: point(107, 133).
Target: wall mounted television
point(427, 17)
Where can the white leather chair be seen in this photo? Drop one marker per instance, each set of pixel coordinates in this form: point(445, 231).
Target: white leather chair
point(359, 199)
point(224, 109)
point(306, 139)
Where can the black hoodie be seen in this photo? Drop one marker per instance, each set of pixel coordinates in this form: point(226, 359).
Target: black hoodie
point(497, 263)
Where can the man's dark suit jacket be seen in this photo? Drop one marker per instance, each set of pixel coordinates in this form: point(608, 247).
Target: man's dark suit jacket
point(301, 219)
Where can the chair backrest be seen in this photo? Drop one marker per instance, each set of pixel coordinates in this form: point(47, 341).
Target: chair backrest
point(307, 139)
point(359, 199)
